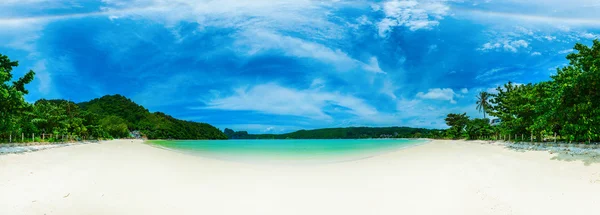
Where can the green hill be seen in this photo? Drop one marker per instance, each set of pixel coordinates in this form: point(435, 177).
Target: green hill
point(153, 125)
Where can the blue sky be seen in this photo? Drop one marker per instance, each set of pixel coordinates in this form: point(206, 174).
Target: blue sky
point(277, 66)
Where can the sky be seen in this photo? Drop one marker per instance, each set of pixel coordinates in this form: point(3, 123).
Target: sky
point(268, 66)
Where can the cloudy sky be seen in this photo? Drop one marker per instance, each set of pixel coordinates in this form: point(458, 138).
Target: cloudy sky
point(271, 66)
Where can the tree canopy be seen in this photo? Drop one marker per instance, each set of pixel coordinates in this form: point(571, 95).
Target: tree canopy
point(12, 101)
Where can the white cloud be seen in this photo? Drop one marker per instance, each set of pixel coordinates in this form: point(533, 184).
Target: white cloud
point(499, 74)
point(373, 66)
point(490, 46)
point(506, 45)
point(258, 41)
point(588, 35)
point(388, 88)
point(275, 99)
point(566, 51)
point(410, 13)
point(445, 94)
point(317, 83)
point(464, 90)
point(489, 73)
point(364, 20)
point(536, 54)
point(299, 16)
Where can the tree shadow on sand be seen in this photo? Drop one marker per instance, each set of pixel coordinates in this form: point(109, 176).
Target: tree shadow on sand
point(587, 159)
point(569, 154)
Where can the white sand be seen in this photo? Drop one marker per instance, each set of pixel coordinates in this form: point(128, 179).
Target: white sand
point(442, 177)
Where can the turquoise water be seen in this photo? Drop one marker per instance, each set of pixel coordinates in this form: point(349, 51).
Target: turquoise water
point(288, 151)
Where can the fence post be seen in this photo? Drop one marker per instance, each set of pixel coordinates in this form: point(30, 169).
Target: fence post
point(554, 137)
point(509, 138)
point(32, 137)
point(43, 137)
point(522, 138)
point(22, 137)
point(531, 137)
point(10, 138)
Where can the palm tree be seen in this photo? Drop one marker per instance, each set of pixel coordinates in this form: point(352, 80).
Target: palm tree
point(482, 102)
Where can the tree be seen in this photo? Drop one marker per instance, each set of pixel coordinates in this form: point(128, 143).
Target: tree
point(12, 102)
point(578, 94)
point(477, 128)
point(483, 104)
point(115, 126)
point(457, 123)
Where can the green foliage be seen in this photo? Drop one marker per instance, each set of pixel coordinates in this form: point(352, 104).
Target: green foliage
point(478, 129)
point(119, 106)
point(152, 125)
point(457, 123)
point(12, 102)
point(343, 133)
point(568, 105)
point(115, 126)
point(483, 104)
point(515, 106)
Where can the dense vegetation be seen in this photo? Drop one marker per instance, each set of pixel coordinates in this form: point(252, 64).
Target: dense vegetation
point(154, 125)
point(567, 106)
point(103, 118)
point(343, 133)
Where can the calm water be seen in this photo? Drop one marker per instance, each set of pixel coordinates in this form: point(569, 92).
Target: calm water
point(288, 151)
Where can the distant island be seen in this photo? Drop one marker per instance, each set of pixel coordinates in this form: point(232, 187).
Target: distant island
point(344, 133)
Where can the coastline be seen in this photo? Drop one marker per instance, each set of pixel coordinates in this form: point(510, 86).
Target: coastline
point(16, 148)
point(439, 177)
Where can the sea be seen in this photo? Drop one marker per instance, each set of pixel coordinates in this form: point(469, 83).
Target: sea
point(288, 151)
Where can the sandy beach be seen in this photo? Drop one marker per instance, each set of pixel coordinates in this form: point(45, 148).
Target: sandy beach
point(441, 177)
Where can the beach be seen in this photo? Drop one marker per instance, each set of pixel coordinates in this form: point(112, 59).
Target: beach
point(440, 177)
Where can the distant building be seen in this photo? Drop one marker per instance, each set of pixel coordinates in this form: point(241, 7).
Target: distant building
point(135, 134)
point(495, 122)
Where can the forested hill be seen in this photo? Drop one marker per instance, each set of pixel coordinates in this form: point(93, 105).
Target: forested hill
point(117, 109)
point(343, 133)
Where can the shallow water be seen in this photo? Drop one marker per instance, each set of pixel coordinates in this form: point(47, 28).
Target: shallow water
point(288, 151)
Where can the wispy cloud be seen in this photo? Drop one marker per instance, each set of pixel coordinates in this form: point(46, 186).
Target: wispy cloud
point(565, 51)
point(275, 99)
point(253, 42)
point(533, 18)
